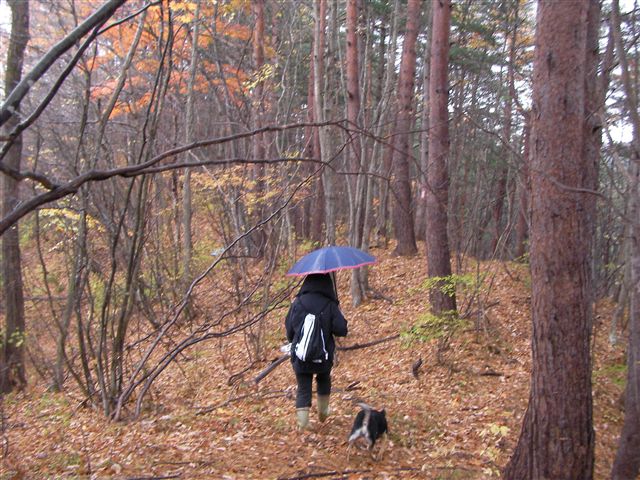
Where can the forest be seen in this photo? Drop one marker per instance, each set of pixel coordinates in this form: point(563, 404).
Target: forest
point(165, 163)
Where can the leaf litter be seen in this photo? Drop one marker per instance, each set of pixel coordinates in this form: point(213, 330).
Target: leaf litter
point(459, 419)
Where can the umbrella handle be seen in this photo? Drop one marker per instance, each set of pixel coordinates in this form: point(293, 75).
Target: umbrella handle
point(335, 287)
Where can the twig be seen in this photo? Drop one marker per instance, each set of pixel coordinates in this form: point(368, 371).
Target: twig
point(270, 393)
point(303, 476)
point(164, 477)
point(323, 474)
point(370, 344)
point(479, 310)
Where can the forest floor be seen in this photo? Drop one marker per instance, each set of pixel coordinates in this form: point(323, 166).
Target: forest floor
point(456, 419)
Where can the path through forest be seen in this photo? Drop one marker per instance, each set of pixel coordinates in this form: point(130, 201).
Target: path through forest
point(459, 420)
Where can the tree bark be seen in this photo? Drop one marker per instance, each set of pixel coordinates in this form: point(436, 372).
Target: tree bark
point(438, 255)
point(314, 205)
point(187, 211)
point(258, 113)
point(524, 194)
point(356, 204)
point(381, 117)
point(557, 438)
point(421, 197)
point(12, 369)
point(402, 154)
point(320, 14)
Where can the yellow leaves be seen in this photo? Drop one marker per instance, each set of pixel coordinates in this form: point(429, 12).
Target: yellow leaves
point(231, 8)
point(66, 218)
point(479, 42)
point(229, 177)
point(267, 71)
point(292, 153)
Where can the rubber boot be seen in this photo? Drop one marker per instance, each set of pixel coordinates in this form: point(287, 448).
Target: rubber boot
point(302, 416)
point(323, 407)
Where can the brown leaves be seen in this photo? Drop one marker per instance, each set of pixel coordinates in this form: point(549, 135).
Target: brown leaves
point(458, 420)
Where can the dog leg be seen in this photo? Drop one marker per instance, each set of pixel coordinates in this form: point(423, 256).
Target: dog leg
point(383, 447)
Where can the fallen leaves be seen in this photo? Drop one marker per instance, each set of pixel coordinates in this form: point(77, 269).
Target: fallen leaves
point(456, 420)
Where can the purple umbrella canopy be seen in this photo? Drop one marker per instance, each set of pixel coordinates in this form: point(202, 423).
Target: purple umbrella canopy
point(331, 259)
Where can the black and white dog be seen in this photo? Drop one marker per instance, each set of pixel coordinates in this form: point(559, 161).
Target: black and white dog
point(369, 425)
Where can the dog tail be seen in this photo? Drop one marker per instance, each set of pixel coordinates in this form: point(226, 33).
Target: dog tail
point(367, 415)
point(363, 431)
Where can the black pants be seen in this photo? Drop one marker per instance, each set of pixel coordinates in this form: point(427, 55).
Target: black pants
point(323, 383)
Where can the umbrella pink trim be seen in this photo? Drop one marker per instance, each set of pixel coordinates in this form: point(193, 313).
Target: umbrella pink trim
point(330, 270)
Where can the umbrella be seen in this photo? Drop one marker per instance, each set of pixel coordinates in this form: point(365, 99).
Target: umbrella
point(331, 259)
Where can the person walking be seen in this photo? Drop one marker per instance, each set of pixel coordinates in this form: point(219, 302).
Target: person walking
point(315, 304)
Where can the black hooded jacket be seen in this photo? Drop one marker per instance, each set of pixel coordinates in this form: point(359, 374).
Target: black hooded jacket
point(316, 294)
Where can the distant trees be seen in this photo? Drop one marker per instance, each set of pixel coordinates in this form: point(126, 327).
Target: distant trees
point(557, 438)
point(627, 462)
point(13, 334)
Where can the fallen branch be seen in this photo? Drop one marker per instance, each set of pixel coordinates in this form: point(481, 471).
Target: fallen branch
point(164, 477)
point(342, 473)
point(324, 474)
point(282, 359)
point(268, 394)
point(270, 368)
point(370, 344)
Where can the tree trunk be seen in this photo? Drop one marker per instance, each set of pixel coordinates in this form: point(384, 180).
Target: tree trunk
point(438, 256)
point(258, 112)
point(315, 204)
point(381, 117)
point(511, 31)
point(627, 462)
point(12, 370)
point(421, 200)
point(356, 178)
point(557, 438)
point(402, 154)
point(187, 212)
point(320, 14)
point(524, 194)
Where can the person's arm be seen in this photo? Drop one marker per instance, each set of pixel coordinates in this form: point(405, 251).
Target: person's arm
point(338, 322)
point(288, 323)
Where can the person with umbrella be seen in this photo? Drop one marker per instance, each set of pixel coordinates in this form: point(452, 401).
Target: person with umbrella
point(317, 305)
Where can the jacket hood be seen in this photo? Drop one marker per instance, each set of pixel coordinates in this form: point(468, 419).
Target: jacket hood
point(319, 283)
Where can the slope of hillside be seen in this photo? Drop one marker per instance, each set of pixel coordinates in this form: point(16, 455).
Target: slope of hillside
point(456, 417)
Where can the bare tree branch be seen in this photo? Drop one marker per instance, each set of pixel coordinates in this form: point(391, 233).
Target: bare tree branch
point(72, 186)
point(12, 103)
